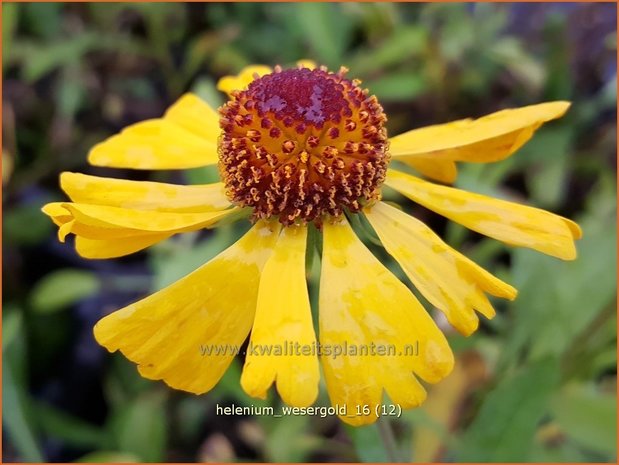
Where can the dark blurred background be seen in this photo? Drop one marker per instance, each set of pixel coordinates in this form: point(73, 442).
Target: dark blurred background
point(537, 383)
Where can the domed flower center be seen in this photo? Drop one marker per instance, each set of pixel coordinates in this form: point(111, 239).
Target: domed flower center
point(302, 144)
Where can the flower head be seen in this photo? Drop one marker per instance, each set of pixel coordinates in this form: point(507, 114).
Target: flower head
point(300, 144)
point(298, 147)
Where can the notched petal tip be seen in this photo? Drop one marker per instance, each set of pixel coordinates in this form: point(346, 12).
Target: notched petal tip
point(465, 327)
point(283, 320)
point(440, 361)
point(252, 387)
point(451, 282)
point(360, 302)
point(358, 420)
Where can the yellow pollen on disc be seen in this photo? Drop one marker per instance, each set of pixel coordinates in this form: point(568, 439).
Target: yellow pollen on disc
point(303, 144)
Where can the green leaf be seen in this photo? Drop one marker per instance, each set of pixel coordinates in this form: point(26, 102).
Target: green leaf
point(12, 323)
point(200, 49)
point(202, 175)
point(547, 174)
point(506, 423)
point(62, 288)
point(190, 417)
point(176, 259)
point(43, 19)
point(73, 431)
point(26, 225)
point(588, 417)
point(122, 384)
point(511, 53)
point(71, 92)
point(16, 416)
point(10, 15)
point(549, 310)
point(40, 59)
point(206, 89)
point(565, 452)
point(108, 457)
point(560, 84)
point(368, 443)
point(139, 428)
point(230, 387)
point(404, 85)
point(455, 29)
point(290, 440)
point(325, 29)
point(396, 48)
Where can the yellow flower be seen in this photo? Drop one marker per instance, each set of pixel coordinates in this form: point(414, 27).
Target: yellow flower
point(295, 147)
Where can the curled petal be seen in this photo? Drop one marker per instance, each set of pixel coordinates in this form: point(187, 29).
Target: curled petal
point(283, 342)
point(108, 223)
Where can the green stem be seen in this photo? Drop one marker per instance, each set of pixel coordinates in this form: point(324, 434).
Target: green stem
point(388, 438)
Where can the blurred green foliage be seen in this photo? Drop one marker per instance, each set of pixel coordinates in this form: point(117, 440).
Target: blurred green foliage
point(75, 73)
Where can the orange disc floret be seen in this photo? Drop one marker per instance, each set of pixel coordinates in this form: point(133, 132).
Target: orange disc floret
point(300, 144)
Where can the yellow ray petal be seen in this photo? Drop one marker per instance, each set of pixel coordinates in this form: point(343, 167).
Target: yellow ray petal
point(445, 277)
point(112, 231)
point(309, 64)
point(187, 334)
point(282, 347)
point(440, 170)
point(364, 304)
point(186, 137)
point(112, 248)
point(195, 115)
point(58, 214)
point(487, 139)
point(67, 223)
point(228, 84)
point(512, 223)
point(64, 219)
point(144, 195)
point(116, 218)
